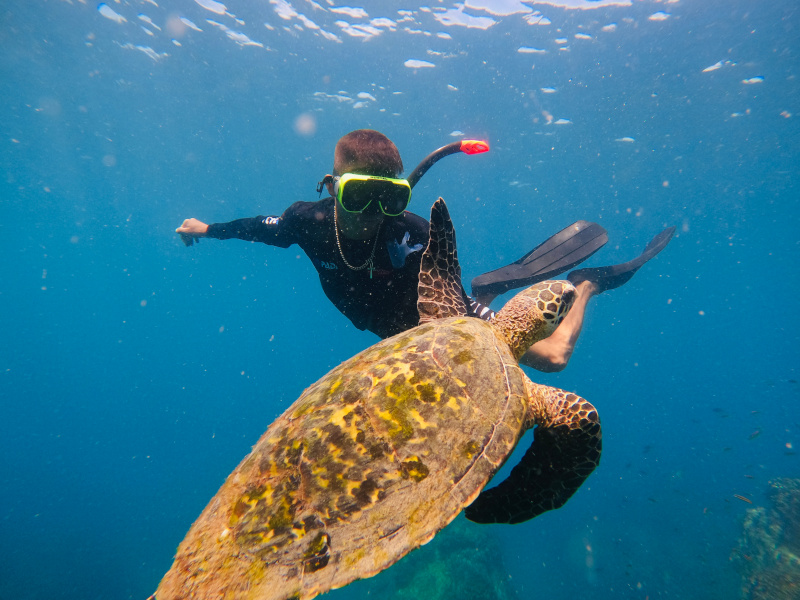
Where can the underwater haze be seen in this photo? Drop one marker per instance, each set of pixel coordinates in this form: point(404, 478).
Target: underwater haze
point(137, 372)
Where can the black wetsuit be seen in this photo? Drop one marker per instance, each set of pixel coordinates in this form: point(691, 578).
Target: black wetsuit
point(382, 300)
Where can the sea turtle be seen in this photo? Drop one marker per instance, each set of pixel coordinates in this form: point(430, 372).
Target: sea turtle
point(390, 446)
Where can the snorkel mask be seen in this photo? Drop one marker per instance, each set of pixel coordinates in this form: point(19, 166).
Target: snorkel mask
point(356, 193)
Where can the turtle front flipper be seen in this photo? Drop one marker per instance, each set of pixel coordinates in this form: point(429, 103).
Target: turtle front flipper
point(439, 291)
point(565, 450)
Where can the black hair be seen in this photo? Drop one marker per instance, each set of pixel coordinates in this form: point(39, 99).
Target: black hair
point(367, 152)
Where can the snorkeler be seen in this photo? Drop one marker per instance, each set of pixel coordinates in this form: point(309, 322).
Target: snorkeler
point(366, 247)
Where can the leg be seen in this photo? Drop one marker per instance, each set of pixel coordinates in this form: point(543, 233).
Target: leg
point(553, 353)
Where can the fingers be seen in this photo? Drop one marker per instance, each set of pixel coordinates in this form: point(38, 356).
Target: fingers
point(185, 234)
point(191, 230)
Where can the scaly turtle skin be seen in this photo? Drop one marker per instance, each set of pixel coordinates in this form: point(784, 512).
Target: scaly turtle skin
point(390, 446)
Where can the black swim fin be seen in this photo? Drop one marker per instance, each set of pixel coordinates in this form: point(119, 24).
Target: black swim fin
point(569, 247)
point(608, 278)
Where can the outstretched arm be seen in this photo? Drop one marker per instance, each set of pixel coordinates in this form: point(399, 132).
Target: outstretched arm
point(191, 230)
point(275, 231)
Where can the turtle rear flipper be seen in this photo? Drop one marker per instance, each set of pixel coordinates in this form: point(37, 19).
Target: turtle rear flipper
point(439, 290)
point(565, 450)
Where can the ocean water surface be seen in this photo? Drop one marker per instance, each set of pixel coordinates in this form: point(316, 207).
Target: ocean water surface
point(137, 372)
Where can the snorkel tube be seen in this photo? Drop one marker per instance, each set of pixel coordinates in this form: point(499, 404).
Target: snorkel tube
point(465, 146)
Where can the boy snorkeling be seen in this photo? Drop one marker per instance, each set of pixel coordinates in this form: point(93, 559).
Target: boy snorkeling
point(367, 248)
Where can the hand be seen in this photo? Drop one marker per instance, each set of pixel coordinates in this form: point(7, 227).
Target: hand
point(192, 230)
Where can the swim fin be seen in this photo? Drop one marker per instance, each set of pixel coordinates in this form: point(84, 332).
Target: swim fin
point(608, 278)
point(569, 247)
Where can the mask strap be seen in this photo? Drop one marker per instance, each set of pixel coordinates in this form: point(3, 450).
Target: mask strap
point(325, 181)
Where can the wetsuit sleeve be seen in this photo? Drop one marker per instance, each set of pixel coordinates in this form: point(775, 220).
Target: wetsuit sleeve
point(275, 231)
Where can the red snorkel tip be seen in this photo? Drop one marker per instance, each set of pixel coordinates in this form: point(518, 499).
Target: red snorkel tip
point(474, 146)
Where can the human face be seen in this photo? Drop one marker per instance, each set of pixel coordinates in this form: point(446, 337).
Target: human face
point(358, 226)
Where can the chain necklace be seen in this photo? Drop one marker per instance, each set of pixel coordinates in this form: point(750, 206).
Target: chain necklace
point(369, 262)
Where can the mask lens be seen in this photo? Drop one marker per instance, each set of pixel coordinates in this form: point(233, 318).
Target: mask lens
point(355, 195)
point(393, 198)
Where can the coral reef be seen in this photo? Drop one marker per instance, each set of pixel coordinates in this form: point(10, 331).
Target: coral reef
point(768, 553)
point(464, 561)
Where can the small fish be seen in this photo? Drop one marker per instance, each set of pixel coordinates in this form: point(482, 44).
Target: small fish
point(743, 499)
point(754, 435)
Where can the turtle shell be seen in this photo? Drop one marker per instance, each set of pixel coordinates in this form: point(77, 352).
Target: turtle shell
point(368, 464)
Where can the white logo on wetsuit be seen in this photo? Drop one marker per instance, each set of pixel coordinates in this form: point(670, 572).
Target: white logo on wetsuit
point(399, 251)
point(271, 220)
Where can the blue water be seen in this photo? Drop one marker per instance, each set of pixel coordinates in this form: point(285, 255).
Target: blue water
point(135, 373)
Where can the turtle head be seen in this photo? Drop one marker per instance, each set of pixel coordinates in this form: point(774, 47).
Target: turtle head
point(534, 313)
